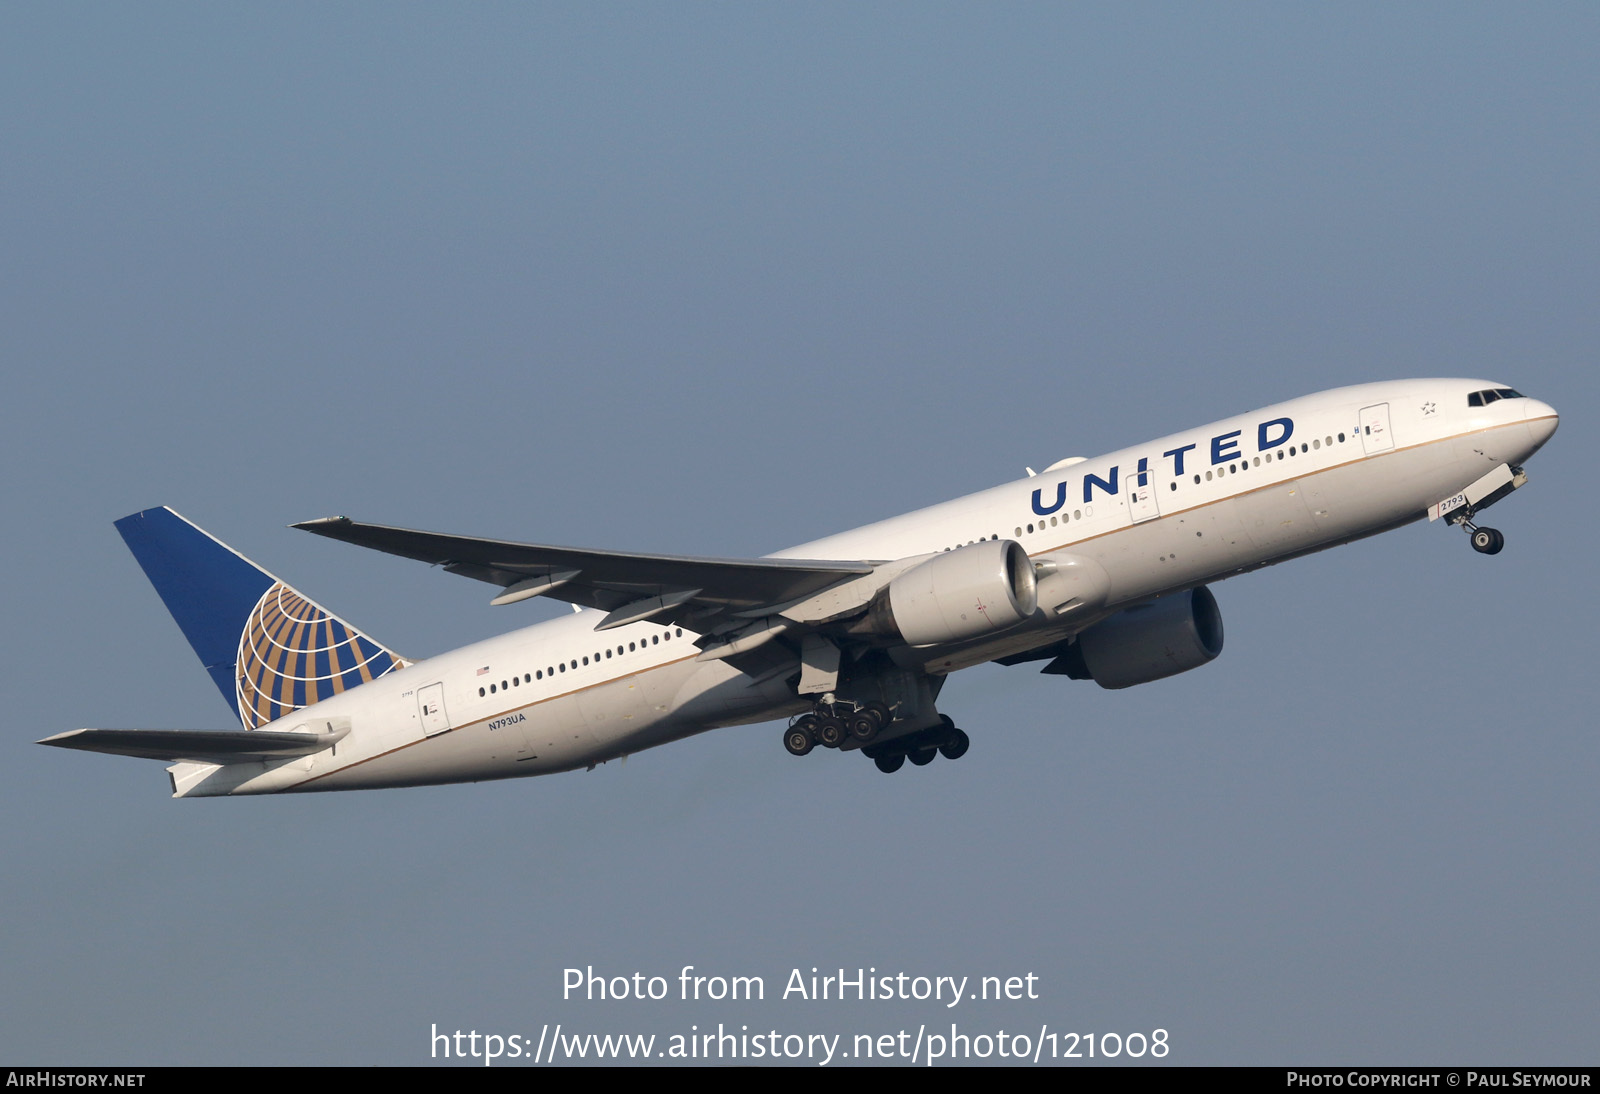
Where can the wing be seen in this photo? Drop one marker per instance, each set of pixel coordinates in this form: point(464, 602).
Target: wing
point(692, 592)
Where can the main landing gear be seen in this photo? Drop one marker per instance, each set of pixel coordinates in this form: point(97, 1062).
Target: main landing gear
point(921, 747)
point(885, 712)
point(835, 725)
point(831, 725)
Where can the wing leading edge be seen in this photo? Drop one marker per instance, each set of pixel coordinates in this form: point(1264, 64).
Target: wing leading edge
point(629, 587)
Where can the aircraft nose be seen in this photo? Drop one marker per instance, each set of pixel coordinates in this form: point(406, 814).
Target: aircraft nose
point(1542, 420)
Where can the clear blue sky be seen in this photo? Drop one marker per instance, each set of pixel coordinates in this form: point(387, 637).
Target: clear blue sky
point(723, 278)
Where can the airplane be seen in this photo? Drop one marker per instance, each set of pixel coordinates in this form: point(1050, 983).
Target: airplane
point(1097, 567)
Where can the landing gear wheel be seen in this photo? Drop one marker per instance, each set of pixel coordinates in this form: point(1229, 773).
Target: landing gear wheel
point(890, 764)
point(830, 731)
point(956, 746)
point(1487, 541)
point(798, 740)
point(922, 757)
point(879, 713)
point(862, 726)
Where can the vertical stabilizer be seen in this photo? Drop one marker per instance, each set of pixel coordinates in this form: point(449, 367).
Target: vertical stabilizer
point(269, 649)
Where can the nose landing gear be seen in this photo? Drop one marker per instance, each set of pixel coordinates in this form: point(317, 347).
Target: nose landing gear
point(1486, 541)
point(1474, 499)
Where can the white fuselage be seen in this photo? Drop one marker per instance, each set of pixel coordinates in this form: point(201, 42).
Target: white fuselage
point(1160, 517)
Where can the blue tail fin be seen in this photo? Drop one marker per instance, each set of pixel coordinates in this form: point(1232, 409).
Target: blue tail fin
point(269, 649)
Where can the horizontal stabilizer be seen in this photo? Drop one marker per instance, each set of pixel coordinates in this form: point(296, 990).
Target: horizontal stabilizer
point(197, 745)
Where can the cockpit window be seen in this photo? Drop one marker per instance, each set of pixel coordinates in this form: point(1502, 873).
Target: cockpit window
point(1489, 395)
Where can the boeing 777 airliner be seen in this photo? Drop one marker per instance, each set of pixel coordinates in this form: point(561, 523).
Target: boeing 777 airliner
point(1097, 567)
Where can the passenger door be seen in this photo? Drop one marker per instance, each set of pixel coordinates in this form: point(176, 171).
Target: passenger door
point(1375, 434)
point(430, 707)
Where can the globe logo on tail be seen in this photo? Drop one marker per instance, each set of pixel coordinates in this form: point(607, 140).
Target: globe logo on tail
point(293, 653)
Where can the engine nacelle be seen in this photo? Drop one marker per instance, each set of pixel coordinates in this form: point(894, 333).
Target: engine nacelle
point(1149, 642)
point(959, 595)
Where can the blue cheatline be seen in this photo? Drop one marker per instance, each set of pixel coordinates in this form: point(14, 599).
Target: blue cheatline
point(269, 649)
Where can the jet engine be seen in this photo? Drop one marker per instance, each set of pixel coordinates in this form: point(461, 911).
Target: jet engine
point(1148, 642)
point(958, 595)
